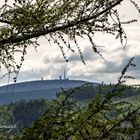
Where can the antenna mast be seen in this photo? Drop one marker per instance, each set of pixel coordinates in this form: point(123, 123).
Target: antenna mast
point(64, 75)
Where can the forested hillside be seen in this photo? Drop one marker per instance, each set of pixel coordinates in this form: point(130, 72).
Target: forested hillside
point(23, 114)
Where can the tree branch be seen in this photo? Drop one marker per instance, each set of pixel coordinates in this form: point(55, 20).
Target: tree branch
point(123, 119)
point(5, 21)
point(41, 32)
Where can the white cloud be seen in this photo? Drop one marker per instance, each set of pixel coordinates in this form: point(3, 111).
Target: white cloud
point(49, 63)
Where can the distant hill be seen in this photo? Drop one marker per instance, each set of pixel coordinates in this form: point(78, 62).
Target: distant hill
point(36, 90)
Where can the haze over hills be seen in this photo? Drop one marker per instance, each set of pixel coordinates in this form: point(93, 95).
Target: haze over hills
point(36, 89)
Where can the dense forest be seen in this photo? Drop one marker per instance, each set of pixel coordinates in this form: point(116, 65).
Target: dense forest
point(23, 114)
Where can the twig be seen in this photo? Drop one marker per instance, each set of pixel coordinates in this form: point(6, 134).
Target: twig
point(123, 119)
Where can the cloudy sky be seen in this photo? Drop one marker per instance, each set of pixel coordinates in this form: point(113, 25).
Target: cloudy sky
point(47, 61)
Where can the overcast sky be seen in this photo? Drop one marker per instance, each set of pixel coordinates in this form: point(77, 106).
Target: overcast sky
point(47, 61)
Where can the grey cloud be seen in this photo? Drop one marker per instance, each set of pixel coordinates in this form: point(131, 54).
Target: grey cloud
point(137, 62)
point(88, 55)
point(113, 67)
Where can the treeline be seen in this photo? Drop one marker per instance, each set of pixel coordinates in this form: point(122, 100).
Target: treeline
point(89, 91)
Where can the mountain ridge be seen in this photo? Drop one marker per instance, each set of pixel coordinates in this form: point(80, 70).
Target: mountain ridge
point(36, 89)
